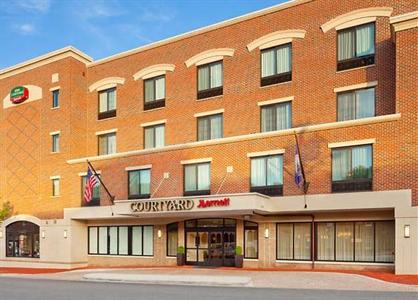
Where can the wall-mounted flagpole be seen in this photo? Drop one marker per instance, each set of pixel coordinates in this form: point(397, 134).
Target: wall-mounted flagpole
point(111, 197)
point(305, 184)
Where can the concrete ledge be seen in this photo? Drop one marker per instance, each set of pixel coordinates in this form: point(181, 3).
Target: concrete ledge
point(171, 279)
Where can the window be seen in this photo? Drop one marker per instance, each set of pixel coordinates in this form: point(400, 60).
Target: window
point(154, 136)
point(55, 187)
point(250, 239)
point(121, 240)
point(95, 201)
point(197, 179)
point(352, 169)
point(154, 92)
point(356, 104)
point(107, 143)
point(55, 142)
point(55, 98)
point(22, 240)
point(363, 241)
point(267, 175)
point(276, 117)
point(276, 65)
point(139, 184)
point(172, 239)
point(210, 80)
point(294, 241)
point(210, 127)
point(356, 47)
point(107, 104)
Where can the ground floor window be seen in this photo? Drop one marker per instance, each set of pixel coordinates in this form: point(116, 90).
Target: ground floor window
point(294, 241)
point(121, 240)
point(250, 239)
point(172, 239)
point(368, 241)
point(22, 239)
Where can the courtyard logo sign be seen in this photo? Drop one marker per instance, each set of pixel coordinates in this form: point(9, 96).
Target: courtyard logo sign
point(19, 94)
point(176, 205)
point(165, 205)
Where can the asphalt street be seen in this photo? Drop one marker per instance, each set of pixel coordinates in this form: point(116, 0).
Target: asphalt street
point(35, 289)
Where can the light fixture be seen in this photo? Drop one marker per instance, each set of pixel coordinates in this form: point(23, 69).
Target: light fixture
point(43, 234)
point(266, 233)
point(65, 234)
point(1, 234)
point(159, 233)
point(407, 231)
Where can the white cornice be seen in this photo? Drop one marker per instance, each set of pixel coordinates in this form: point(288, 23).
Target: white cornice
point(209, 113)
point(276, 38)
point(46, 59)
point(355, 86)
point(209, 56)
point(274, 101)
point(265, 153)
point(352, 143)
point(153, 71)
point(356, 14)
point(106, 83)
point(404, 21)
point(196, 161)
point(158, 122)
point(254, 136)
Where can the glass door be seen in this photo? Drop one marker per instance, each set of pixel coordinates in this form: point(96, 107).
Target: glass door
point(216, 251)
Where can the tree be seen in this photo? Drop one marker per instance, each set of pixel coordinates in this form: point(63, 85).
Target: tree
point(5, 211)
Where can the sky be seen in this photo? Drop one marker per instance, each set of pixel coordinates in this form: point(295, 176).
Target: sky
point(100, 28)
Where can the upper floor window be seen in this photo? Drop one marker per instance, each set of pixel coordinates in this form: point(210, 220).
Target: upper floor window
point(276, 65)
point(210, 127)
point(352, 169)
point(154, 92)
point(139, 183)
point(55, 98)
point(356, 104)
point(95, 201)
point(356, 46)
point(210, 80)
point(55, 142)
point(267, 175)
point(107, 103)
point(107, 143)
point(197, 179)
point(154, 136)
point(276, 116)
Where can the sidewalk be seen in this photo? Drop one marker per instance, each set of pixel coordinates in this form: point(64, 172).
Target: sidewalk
point(229, 277)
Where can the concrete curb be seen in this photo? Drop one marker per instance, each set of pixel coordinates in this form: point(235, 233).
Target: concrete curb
point(203, 280)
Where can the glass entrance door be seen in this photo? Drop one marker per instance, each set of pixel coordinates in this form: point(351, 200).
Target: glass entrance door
point(210, 242)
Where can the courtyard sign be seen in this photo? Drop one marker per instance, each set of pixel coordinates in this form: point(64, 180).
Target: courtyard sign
point(19, 94)
point(175, 204)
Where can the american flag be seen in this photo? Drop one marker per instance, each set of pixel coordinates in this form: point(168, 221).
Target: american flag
point(91, 182)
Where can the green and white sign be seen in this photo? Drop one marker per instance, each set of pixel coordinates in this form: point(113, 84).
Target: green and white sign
point(19, 94)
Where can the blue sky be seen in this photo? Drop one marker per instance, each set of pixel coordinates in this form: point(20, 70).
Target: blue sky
point(100, 28)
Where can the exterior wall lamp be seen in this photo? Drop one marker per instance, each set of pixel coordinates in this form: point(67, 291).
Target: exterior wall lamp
point(43, 234)
point(65, 234)
point(407, 231)
point(159, 233)
point(266, 233)
point(1, 234)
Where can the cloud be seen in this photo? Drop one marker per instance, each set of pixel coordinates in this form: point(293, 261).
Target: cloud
point(26, 29)
point(41, 6)
point(156, 16)
point(95, 9)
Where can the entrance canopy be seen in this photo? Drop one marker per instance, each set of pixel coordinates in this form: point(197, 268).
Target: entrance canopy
point(199, 206)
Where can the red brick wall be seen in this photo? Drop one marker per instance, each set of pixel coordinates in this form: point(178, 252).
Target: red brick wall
point(314, 78)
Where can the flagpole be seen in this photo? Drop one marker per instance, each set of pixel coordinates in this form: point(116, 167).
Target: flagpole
point(112, 198)
point(305, 183)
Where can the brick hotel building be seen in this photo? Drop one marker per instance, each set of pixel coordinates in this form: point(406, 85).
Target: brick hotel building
point(195, 137)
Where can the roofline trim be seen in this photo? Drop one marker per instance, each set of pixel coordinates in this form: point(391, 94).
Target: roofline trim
point(251, 15)
point(44, 59)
